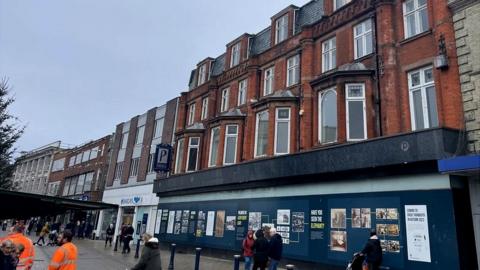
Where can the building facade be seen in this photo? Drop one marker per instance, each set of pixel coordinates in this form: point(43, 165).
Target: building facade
point(131, 174)
point(33, 168)
point(80, 173)
point(466, 18)
point(328, 123)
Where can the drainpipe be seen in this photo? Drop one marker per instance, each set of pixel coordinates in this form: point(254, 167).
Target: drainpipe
point(377, 98)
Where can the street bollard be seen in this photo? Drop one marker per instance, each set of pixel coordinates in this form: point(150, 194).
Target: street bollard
point(290, 267)
point(172, 257)
point(116, 244)
point(197, 258)
point(137, 249)
point(93, 236)
point(236, 264)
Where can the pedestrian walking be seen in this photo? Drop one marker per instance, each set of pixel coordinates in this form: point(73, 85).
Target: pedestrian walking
point(81, 230)
point(150, 258)
point(372, 252)
point(260, 251)
point(30, 226)
point(65, 257)
point(28, 255)
point(275, 249)
point(109, 235)
point(44, 232)
point(247, 246)
point(127, 238)
point(7, 255)
point(76, 231)
point(39, 227)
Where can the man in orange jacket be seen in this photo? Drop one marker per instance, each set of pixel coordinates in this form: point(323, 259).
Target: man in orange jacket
point(65, 257)
point(28, 255)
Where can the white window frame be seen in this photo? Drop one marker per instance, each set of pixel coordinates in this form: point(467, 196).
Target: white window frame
point(268, 80)
point(118, 170)
point(257, 121)
point(283, 120)
point(331, 52)
point(124, 140)
point(422, 87)
point(235, 54)
point(191, 114)
point(242, 92)
point(320, 101)
point(281, 29)
point(416, 12)
point(202, 74)
point(227, 135)
point(139, 135)
point(362, 98)
point(204, 108)
point(225, 99)
point(211, 148)
point(151, 159)
point(293, 65)
point(363, 38)
point(134, 164)
point(180, 149)
point(190, 146)
point(158, 128)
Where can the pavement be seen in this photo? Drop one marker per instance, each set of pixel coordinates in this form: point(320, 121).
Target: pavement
point(94, 255)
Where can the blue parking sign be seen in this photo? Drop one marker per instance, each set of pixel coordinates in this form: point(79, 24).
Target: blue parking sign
point(163, 156)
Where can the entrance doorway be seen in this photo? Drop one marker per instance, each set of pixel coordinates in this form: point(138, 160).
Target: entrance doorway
point(127, 216)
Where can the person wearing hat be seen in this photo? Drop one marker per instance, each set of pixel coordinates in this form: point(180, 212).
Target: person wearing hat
point(150, 258)
point(372, 252)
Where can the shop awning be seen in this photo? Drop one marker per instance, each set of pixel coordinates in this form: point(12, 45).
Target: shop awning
point(464, 165)
point(15, 204)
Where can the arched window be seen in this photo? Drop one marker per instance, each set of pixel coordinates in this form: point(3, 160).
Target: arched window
point(328, 116)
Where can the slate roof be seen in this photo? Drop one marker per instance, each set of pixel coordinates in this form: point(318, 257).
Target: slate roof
point(218, 65)
point(261, 42)
point(309, 14)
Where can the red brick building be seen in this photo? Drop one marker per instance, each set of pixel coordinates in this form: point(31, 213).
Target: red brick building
point(80, 172)
point(353, 62)
point(332, 122)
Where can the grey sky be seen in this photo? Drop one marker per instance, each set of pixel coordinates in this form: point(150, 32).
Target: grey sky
point(79, 67)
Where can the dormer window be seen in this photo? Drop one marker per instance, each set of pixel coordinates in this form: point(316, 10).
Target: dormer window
point(281, 29)
point(340, 3)
point(202, 74)
point(235, 57)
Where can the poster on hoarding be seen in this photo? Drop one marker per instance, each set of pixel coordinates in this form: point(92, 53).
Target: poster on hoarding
point(171, 221)
point(418, 239)
point(210, 223)
point(158, 220)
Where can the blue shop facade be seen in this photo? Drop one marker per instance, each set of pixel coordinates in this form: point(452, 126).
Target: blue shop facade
point(325, 202)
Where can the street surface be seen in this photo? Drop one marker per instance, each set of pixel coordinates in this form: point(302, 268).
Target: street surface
point(93, 255)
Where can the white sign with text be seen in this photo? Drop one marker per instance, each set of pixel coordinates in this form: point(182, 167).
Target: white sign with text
point(418, 239)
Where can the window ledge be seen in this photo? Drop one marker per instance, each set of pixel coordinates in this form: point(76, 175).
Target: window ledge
point(417, 36)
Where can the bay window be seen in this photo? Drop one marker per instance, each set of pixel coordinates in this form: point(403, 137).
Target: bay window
point(356, 114)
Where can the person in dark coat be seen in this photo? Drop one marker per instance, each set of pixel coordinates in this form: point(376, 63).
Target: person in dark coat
point(275, 249)
point(150, 258)
point(260, 249)
point(109, 235)
point(373, 252)
point(127, 238)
